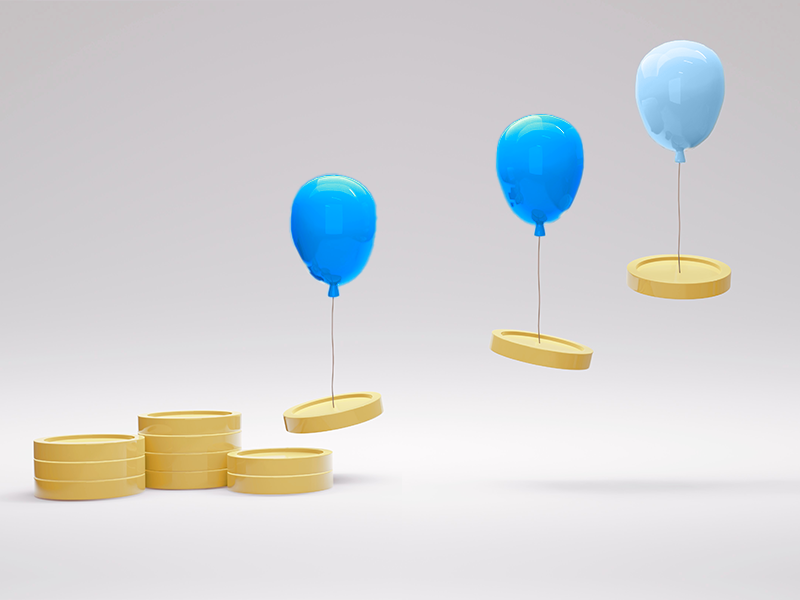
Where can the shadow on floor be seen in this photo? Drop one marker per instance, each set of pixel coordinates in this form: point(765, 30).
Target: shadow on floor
point(20, 496)
point(28, 497)
point(634, 486)
point(346, 479)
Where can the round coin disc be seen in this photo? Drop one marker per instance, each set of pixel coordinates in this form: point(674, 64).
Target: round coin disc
point(88, 490)
point(544, 350)
point(197, 461)
point(285, 484)
point(91, 447)
point(325, 414)
point(88, 471)
point(183, 444)
point(280, 461)
point(699, 277)
point(190, 422)
point(188, 480)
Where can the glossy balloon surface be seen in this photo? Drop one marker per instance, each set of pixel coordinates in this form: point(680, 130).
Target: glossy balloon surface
point(540, 165)
point(333, 228)
point(679, 90)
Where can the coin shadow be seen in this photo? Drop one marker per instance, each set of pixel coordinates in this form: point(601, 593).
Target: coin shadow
point(19, 497)
point(634, 486)
point(353, 479)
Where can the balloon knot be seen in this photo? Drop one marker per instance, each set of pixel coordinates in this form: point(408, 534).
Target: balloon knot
point(539, 230)
point(333, 290)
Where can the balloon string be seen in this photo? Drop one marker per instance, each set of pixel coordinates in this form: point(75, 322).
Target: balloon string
point(539, 289)
point(333, 356)
point(679, 217)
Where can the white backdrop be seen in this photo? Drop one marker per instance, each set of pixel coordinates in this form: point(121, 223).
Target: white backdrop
point(149, 155)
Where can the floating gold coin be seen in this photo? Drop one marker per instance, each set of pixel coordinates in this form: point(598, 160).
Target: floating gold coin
point(184, 444)
point(280, 461)
point(197, 461)
point(190, 422)
point(325, 415)
point(551, 351)
point(91, 447)
point(188, 480)
point(286, 484)
point(88, 490)
point(699, 277)
point(88, 471)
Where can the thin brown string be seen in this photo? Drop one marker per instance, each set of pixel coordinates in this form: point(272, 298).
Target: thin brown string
point(679, 217)
point(539, 289)
point(333, 356)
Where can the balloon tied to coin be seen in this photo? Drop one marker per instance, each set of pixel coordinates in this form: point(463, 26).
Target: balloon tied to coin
point(680, 87)
point(333, 228)
point(540, 165)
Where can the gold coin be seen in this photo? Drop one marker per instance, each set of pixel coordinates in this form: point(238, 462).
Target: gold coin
point(285, 484)
point(280, 461)
point(326, 414)
point(197, 461)
point(88, 490)
point(88, 471)
point(544, 350)
point(698, 277)
point(190, 422)
point(187, 480)
point(185, 444)
point(91, 447)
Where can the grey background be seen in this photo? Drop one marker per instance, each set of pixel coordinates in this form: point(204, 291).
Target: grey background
point(149, 154)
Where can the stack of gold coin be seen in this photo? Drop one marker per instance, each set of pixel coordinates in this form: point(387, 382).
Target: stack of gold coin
point(187, 450)
point(280, 470)
point(88, 467)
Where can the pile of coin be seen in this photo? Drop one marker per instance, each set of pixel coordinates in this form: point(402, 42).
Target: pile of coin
point(187, 450)
point(88, 467)
point(280, 470)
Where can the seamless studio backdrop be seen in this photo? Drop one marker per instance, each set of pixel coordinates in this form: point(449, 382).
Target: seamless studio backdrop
point(149, 155)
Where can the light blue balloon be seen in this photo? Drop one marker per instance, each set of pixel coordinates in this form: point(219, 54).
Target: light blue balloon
point(333, 228)
point(679, 90)
point(540, 165)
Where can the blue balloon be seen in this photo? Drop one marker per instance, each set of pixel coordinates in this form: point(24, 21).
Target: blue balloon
point(333, 228)
point(679, 90)
point(540, 165)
